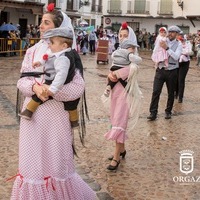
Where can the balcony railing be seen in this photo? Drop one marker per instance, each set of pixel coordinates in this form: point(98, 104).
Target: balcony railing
point(96, 8)
point(138, 7)
point(114, 7)
point(165, 8)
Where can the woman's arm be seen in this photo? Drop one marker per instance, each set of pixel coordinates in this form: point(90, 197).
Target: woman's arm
point(25, 84)
point(122, 73)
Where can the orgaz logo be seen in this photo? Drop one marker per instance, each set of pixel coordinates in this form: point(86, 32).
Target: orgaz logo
point(186, 161)
point(186, 164)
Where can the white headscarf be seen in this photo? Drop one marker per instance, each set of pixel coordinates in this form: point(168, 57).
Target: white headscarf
point(67, 23)
point(131, 35)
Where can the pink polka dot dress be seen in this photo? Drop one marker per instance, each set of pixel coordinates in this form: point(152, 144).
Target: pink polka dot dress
point(46, 167)
point(119, 111)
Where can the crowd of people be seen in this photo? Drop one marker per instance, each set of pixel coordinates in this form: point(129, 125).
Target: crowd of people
point(16, 36)
point(145, 40)
point(46, 151)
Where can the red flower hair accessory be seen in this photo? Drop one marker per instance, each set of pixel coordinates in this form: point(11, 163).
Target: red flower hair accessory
point(45, 57)
point(51, 7)
point(124, 25)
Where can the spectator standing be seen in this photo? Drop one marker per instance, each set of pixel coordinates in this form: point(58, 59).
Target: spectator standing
point(14, 43)
point(140, 39)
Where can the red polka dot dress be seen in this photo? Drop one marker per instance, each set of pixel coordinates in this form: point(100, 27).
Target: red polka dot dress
point(46, 167)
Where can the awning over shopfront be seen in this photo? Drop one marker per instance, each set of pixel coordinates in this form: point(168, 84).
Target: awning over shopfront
point(193, 18)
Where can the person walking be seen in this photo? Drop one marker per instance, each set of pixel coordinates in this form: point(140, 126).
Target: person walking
point(125, 32)
point(92, 38)
point(46, 168)
point(166, 74)
point(125, 97)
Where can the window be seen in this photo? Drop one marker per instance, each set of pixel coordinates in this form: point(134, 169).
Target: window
point(114, 6)
point(140, 6)
point(166, 7)
point(100, 6)
point(70, 4)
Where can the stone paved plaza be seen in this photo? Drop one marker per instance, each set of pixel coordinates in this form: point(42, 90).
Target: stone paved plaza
point(151, 168)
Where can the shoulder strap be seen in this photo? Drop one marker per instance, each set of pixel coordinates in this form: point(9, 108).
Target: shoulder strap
point(71, 72)
point(78, 62)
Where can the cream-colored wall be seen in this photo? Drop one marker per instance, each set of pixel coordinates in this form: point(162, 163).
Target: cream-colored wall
point(190, 7)
point(16, 15)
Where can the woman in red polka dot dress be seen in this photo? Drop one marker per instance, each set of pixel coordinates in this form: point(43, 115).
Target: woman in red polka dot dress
point(46, 167)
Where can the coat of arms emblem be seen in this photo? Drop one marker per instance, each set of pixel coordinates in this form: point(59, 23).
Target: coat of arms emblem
point(186, 161)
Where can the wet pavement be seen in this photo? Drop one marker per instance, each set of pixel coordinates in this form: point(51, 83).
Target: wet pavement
point(151, 168)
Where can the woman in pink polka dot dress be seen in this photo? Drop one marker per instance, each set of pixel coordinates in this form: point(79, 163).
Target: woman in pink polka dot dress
point(46, 167)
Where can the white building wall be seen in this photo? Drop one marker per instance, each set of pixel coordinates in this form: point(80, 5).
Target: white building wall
point(189, 9)
point(179, 16)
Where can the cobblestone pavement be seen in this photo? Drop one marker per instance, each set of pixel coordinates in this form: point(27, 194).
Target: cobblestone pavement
point(151, 168)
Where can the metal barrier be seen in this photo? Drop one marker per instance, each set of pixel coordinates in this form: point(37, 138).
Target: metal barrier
point(14, 46)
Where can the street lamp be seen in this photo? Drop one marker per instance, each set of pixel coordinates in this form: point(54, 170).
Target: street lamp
point(180, 3)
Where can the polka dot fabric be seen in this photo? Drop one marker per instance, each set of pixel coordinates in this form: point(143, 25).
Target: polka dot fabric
point(46, 167)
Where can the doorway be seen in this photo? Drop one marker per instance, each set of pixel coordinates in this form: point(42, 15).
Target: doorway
point(3, 17)
point(23, 27)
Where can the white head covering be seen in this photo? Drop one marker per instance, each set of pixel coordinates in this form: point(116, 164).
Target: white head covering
point(131, 35)
point(67, 23)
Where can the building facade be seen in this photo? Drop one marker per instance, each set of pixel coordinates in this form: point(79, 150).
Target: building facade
point(149, 15)
point(25, 12)
point(145, 15)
